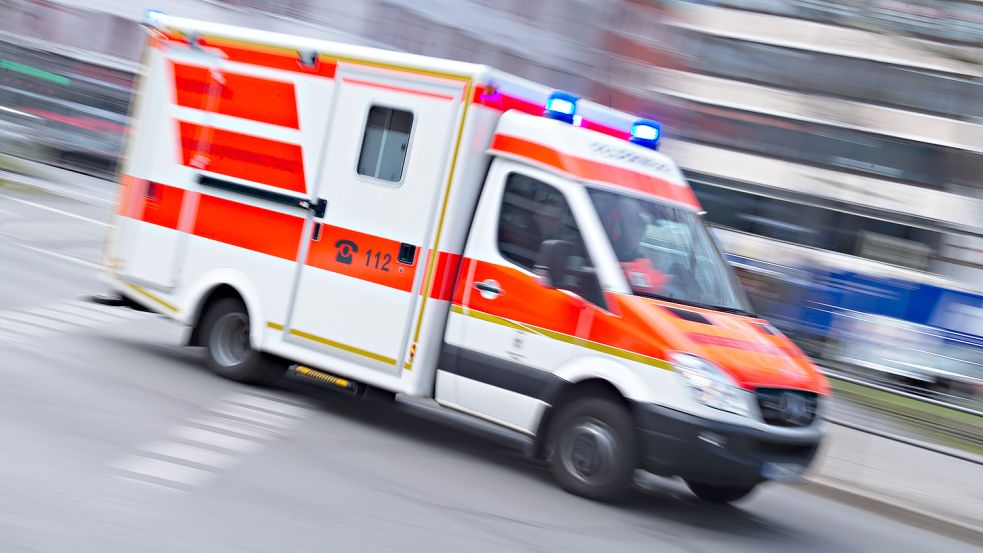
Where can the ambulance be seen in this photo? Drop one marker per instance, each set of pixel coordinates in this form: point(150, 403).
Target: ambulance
point(450, 234)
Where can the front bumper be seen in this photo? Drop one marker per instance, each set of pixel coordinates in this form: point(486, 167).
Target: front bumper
point(674, 443)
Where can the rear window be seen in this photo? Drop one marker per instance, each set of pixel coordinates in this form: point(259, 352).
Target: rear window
point(384, 144)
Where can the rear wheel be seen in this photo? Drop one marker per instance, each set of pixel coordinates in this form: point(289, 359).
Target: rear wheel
point(719, 494)
point(593, 448)
point(225, 333)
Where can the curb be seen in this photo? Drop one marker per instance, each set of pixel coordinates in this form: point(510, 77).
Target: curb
point(911, 516)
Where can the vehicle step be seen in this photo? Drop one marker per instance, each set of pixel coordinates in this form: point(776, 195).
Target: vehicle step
point(328, 380)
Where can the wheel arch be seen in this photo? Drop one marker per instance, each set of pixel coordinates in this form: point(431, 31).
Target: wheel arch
point(589, 377)
point(223, 284)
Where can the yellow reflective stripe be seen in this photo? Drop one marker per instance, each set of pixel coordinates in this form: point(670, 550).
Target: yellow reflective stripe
point(566, 338)
point(334, 344)
point(143, 292)
point(432, 262)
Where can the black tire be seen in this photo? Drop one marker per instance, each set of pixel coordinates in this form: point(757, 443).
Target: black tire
point(225, 335)
point(719, 494)
point(593, 448)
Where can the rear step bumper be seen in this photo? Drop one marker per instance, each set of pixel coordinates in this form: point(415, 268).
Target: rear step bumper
point(327, 380)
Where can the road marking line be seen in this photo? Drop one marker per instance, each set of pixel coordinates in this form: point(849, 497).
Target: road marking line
point(268, 405)
point(238, 427)
point(70, 318)
point(61, 256)
point(103, 312)
point(81, 311)
point(55, 210)
point(21, 328)
point(164, 470)
point(216, 439)
point(191, 453)
point(270, 396)
point(35, 320)
point(57, 190)
point(254, 415)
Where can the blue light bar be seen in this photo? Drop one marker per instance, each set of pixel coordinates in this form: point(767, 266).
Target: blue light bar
point(561, 106)
point(646, 133)
point(152, 18)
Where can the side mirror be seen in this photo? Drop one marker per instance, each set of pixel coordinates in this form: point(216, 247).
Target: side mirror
point(555, 271)
point(552, 264)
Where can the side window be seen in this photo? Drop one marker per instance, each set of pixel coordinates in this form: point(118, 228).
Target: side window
point(384, 144)
point(533, 212)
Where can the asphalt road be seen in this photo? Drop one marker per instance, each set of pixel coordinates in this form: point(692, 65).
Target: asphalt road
point(114, 438)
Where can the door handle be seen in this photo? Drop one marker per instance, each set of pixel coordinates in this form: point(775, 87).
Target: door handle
point(489, 289)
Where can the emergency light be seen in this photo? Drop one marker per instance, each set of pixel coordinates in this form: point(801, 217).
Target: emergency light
point(646, 133)
point(561, 106)
point(152, 18)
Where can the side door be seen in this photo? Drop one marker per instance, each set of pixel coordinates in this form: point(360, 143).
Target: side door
point(385, 165)
point(507, 332)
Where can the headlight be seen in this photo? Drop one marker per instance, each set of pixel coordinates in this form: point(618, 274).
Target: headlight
point(710, 385)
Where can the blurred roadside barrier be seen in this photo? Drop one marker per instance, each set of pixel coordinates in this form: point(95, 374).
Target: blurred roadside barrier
point(948, 405)
point(913, 484)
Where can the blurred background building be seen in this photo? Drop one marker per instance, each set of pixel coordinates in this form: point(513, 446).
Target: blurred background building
point(837, 145)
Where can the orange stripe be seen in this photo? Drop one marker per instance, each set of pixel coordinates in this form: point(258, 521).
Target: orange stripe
point(264, 100)
point(250, 227)
point(372, 258)
point(128, 186)
point(162, 205)
point(524, 299)
point(243, 156)
point(591, 170)
point(445, 276)
point(397, 88)
point(278, 234)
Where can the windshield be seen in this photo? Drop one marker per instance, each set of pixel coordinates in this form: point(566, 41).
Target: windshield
point(667, 252)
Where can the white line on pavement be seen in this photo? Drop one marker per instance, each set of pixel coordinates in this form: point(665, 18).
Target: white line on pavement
point(253, 415)
point(65, 316)
point(61, 256)
point(106, 310)
point(55, 210)
point(21, 328)
point(191, 453)
point(36, 320)
point(236, 426)
point(88, 310)
point(216, 439)
point(268, 404)
point(164, 470)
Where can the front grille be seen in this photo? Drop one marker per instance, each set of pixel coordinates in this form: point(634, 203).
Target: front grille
point(785, 451)
point(782, 407)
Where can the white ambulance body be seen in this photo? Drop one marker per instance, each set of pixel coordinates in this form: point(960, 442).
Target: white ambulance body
point(418, 226)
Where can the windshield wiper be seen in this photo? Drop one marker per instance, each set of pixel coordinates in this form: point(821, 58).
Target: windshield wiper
point(734, 310)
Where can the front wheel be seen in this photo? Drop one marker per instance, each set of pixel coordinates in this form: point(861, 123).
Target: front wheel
point(225, 328)
point(593, 448)
point(719, 494)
